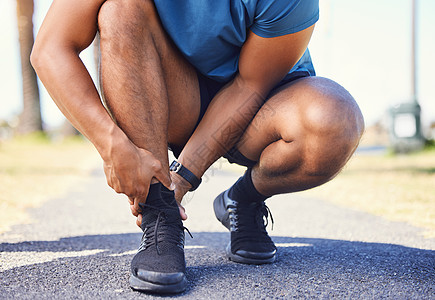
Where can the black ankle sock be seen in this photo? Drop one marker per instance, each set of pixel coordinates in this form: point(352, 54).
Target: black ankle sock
point(159, 192)
point(154, 193)
point(244, 190)
point(159, 199)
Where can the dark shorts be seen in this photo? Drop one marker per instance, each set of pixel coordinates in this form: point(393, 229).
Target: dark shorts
point(208, 88)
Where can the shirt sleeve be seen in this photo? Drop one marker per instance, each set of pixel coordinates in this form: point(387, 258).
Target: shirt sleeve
point(276, 18)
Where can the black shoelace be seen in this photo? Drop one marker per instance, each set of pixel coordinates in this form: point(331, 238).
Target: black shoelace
point(171, 231)
point(251, 217)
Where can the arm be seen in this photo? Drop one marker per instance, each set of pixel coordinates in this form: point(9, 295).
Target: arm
point(65, 32)
point(70, 27)
point(263, 63)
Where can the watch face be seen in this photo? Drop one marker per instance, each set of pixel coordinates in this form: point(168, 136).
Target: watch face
point(186, 174)
point(175, 166)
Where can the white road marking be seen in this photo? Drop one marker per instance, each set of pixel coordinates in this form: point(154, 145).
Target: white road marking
point(10, 260)
point(284, 245)
point(194, 247)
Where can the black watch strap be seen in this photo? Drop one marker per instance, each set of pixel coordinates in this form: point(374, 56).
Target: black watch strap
point(186, 174)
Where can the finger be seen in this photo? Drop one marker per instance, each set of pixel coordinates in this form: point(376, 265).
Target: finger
point(183, 214)
point(142, 194)
point(138, 200)
point(164, 177)
point(139, 220)
point(131, 200)
point(134, 211)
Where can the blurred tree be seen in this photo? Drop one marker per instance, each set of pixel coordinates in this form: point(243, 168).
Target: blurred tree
point(30, 118)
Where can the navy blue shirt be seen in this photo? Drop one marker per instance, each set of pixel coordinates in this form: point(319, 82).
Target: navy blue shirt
point(210, 33)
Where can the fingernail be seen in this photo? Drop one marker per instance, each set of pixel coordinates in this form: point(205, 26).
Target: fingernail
point(172, 187)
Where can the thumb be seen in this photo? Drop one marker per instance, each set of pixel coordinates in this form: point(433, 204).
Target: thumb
point(182, 212)
point(164, 177)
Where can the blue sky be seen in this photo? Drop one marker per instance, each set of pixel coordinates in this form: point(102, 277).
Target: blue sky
point(363, 45)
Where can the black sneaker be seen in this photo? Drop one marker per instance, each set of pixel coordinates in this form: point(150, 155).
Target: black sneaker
point(250, 243)
point(159, 265)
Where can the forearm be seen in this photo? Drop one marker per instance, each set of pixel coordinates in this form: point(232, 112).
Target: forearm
point(74, 92)
point(222, 126)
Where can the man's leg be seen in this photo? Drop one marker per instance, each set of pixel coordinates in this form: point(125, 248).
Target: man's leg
point(301, 138)
point(152, 93)
point(149, 88)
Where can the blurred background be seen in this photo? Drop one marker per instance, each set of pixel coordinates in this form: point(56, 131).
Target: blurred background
point(382, 51)
point(364, 45)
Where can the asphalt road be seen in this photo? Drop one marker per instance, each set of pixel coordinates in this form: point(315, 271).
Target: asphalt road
point(79, 246)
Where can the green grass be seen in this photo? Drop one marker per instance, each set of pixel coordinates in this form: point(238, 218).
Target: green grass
point(396, 187)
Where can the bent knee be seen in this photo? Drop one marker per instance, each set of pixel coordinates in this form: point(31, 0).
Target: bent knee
point(327, 116)
point(332, 137)
point(326, 123)
point(325, 159)
point(333, 112)
point(316, 106)
point(125, 16)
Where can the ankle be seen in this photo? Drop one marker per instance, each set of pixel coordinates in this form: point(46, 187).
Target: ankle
point(244, 190)
point(159, 195)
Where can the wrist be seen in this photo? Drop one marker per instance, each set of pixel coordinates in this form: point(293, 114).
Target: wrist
point(112, 139)
point(186, 174)
point(181, 184)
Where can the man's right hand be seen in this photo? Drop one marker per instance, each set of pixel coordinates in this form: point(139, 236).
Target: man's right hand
point(130, 170)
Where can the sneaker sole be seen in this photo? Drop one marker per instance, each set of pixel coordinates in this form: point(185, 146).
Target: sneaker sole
point(141, 285)
point(245, 260)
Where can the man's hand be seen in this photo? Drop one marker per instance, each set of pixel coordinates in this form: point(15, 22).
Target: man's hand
point(181, 188)
point(130, 170)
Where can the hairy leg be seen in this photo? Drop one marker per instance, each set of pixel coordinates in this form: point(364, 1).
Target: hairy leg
point(149, 88)
point(303, 136)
